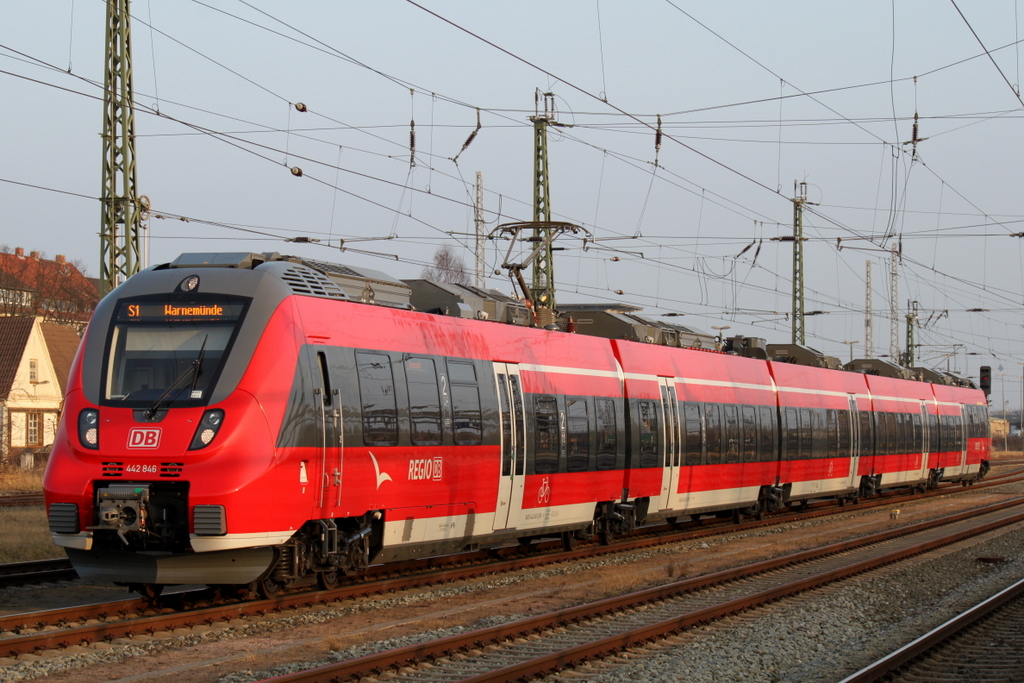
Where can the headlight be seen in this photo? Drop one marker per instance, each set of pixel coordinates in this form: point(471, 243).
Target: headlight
point(89, 428)
point(207, 429)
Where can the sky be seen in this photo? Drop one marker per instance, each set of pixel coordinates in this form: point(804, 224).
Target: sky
point(755, 100)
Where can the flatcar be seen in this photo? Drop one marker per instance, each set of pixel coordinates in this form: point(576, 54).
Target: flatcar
point(241, 420)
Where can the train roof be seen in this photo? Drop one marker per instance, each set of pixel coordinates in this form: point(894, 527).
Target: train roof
point(606, 320)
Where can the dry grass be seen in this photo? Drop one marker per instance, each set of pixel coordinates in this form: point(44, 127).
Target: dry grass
point(16, 479)
point(25, 535)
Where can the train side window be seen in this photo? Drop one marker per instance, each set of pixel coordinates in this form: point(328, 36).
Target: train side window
point(461, 372)
point(819, 427)
point(833, 433)
point(377, 396)
point(844, 434)
point(916, 444)
point(766, 443)
point(607, 433)
point(791, 433)
point(466, 417)
point(693, 435)
point(731, 436)
point(649, 431)
point(881, 434)
point(424, 401)
point(867, 434)
point(505, 408)
point(325, 378)
point(713, 427)
point(903, 419)
point(749, 415)
point(546, 448)
point(520, 423)
point(895, 429)
point(467, 421)
point(578, 436)
point(806, 434)
point(891, 438)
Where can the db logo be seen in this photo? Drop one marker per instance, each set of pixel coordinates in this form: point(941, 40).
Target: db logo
point(144, 437)
point(544, 492)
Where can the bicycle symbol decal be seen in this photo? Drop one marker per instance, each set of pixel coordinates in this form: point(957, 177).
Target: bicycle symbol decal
point(544, 492)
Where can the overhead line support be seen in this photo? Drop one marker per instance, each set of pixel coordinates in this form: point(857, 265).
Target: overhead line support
point(120, 256)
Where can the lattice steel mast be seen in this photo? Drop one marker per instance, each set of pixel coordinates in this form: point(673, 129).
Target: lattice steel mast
point(798, 263)
point(119, 232)
point(542, 289)
point(480, 277)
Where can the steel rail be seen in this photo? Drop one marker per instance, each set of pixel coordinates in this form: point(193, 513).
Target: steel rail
point(915, 649)
point(36, 571)
point(373, 665)
point(8, 500)
point(383, 579)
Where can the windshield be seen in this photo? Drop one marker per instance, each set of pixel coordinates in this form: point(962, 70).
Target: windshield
point(168, 359)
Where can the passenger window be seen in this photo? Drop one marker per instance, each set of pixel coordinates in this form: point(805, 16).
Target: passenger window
point(649, 431)
point(806, 434)
point(713, 429)
point(833, 434)
point(607, 434)
point(377, 396)
point(749, 433)
point(578, 433)
point(547, 445)
point(731, 439)
point(466, 415)
point(767, 441)
point(424, 402)
point(693, 437)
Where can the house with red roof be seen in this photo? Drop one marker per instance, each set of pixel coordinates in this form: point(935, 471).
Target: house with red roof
point(54, 289)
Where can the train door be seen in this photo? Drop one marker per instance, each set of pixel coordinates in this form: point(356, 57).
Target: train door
point(964, 433)
point(513, 446)
point(670, 457)
point(328, 402)
point(925, 466)
point(854, 441)
point(926, 439)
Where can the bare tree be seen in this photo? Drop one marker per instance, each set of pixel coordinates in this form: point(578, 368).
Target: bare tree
point(448, 267)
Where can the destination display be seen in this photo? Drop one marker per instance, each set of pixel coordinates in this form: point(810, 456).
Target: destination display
point(191, 310)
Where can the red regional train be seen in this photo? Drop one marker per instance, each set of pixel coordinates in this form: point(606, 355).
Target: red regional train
point(241, 420)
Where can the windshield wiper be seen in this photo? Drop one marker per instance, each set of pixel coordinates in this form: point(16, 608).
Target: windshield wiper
point(195, 366)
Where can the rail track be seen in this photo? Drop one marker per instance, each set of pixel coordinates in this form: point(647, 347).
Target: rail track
point(551, 642)
point(21, 499)
point(962, 649)
point(61, 570)
point(37, 631)
point(36, 571)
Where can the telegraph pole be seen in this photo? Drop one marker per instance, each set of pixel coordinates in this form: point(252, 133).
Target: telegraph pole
point(543, 286)
point(798, 262)
point(119, 231)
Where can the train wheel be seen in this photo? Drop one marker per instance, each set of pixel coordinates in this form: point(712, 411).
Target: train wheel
point(327, 580)
point(569, 541)
point(695, 519)
point(268, 587)
point(150, 591)
point(606, 536)
point(736, 516)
